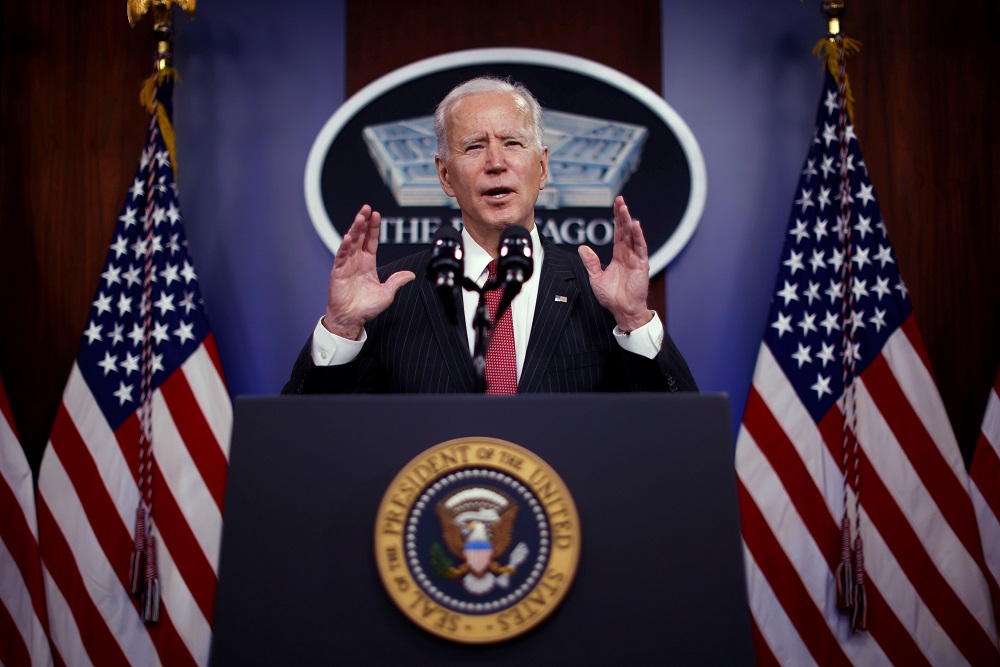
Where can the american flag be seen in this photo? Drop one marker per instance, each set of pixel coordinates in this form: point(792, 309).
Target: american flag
point(89, 482)
point(927, 600)
point(23, 627)
point(985, 473)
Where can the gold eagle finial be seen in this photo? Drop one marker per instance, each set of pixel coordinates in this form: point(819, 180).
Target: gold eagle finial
point(137, 8)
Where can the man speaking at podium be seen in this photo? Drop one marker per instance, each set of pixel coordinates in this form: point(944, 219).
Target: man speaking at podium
point(573, 326)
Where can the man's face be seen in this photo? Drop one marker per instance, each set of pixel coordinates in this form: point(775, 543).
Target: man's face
point(491, 165)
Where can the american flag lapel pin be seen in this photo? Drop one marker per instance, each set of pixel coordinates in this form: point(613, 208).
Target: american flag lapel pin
point(561, 299)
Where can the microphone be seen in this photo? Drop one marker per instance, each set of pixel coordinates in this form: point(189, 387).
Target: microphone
point(444, 269)
point(514, 265)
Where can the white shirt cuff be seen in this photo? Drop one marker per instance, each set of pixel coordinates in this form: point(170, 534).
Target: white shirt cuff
point(646, 340)
point(329, 349)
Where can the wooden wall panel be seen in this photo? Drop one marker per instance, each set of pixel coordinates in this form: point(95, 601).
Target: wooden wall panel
point(70, 136)
point(927, 85)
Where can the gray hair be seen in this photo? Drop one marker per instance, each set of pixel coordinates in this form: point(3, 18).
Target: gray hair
point(486, 85)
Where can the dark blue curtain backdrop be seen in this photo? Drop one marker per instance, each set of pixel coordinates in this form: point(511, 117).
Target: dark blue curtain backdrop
point(259, 81)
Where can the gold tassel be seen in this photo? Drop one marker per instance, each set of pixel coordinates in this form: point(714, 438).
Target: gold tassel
point(826, 49)
point(147, 97)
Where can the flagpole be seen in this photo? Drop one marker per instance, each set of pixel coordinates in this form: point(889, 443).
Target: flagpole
point(143, 575)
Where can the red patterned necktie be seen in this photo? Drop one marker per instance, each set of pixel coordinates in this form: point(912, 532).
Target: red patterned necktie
point(501, 360)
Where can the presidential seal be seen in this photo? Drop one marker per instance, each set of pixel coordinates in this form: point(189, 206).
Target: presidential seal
point(477, 540)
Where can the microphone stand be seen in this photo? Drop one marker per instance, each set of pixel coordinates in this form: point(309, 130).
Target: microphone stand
point(482, 327)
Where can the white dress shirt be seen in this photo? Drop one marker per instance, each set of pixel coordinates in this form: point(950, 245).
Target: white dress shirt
point(328, 349)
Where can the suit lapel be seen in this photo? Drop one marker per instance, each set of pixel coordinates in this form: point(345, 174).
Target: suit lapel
point(452, 339)
point(557, 295)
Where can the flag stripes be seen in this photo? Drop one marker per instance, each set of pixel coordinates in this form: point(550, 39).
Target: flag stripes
point(906, 494)
point(985, 474)
point(86, 462)
point(23, 617)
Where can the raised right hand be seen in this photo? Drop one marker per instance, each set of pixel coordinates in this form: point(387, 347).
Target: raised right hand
point(356, 295)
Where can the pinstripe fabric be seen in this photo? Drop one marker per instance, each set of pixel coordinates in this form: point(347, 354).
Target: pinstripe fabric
point(413, 348)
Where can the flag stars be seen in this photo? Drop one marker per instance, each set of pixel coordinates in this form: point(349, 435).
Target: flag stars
point(173, 214)
point(147, 155)
point(130, 364)
point(109, 363)
point(783, 324)
point(103, 303)
point(137, 190)
point(170, 273)
point(853, 350)
point(173, 245)
point(816, 261)
point(819, 229)
point(831, 103)
point(836, 259)
point(156, 363)
point(184, 333)
point(881, 287)
point(812, 292)
point(132, 276)
point(830, 322)
point(823, 198)
point(120, 246)
point(116, 334)
point(159, 215)
point(859, 289)
point(162, 158)
point(800, 231)
point(124, 304)
point(863, 227)
point(124, 393)
point(810, 169)
point(866, 194)
point(884, 255)
point(827, 167)
point(878, 320)
point(825, 354)
point(821, 386)
point(165, 303)
point(789, 292)
point(188, 302)
point(856, 320)
point(188, 272)
point(829, 133)
point(807, 324)
point(93, 332)
point(160, 332)
point(112, 275)
point(805, 201)
point(901, 288)
point(802, 355)
point(140, 247)
point(835, 291)
point(136, 335)
point(861, 258)
point(794, 262)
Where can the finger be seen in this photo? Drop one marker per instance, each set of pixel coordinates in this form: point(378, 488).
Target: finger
point(639, 239)
point(590, 260)
point(355, 233)
point(371, 233)
point(397, 280)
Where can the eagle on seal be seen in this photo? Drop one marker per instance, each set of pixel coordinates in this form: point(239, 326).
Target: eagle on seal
point(477, 525)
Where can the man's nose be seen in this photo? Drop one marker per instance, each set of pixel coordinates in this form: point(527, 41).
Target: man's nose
point(494, 158)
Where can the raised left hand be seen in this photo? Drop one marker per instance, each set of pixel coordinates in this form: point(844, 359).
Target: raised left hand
point(623, 286)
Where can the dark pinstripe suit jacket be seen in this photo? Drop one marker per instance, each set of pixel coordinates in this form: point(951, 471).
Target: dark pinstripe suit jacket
point(412, 346)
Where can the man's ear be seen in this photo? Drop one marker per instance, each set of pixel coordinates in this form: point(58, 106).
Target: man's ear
point(545, 168)
point(442, 170)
